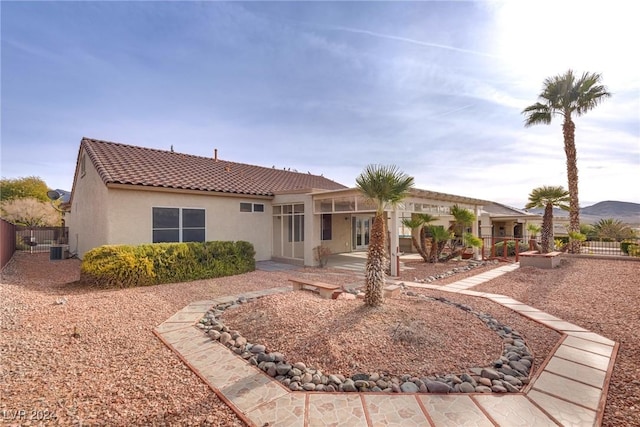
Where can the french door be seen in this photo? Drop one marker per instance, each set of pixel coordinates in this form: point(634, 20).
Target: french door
point(360, 232)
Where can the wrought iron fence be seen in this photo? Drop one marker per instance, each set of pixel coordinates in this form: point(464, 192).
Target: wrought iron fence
point(40, 239)
point(610, 248)
point(506, 247)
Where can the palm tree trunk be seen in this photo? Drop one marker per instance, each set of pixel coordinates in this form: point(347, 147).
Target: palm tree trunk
point(546, 233)
point(568, 130)
point(421, 249)
point(376, 263)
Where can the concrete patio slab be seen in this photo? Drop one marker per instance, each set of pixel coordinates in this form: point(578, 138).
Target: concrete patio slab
point(566, 413)
point(453, 410)
point(583, 357)
point(573, 391)
point(335, 409)
point(585, 374)
point(286, 411)
point(513, 410)
point(586, 345)
point(394, 410)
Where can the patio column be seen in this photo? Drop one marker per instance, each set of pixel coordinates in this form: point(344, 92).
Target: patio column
point(394, 243)
point(474, 231)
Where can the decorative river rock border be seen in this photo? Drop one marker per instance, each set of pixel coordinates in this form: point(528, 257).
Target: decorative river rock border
point(509, 373)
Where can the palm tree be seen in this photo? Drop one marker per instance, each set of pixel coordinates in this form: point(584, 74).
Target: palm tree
point(385, 185)
point(420, 222)
point(565, 95)
point(548, 197)
point(613, 230)
point(462, 218)
point(439, 237)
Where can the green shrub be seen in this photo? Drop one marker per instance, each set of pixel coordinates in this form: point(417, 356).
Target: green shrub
point(624, 245)
point(126, 266)
point(511, 248)
point(634, 250)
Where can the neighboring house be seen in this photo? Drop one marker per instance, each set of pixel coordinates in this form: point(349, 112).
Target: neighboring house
point(498, 220)
point(123, 194)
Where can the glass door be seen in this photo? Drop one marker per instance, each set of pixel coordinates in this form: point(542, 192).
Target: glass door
point(360, 228)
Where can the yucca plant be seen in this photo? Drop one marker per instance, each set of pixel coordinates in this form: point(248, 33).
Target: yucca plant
point(420, 222)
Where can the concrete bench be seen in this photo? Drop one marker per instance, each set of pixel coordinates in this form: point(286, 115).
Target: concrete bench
point(325, 290)
point(536, 259)
point(538, 254)
point(391, 291)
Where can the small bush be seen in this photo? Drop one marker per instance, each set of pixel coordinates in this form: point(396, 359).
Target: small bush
point(634, 250)
point(126, 266)
point(511, 248)
point(624, 245)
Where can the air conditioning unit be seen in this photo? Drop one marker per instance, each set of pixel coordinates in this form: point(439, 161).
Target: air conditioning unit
point(58, 252)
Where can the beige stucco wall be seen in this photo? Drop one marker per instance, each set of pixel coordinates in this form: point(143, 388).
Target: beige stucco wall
point(131, 221)
point(340, 233)
point(88, 219)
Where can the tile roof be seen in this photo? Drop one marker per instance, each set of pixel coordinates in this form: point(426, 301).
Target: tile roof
point(498, 209)
point(127, 164)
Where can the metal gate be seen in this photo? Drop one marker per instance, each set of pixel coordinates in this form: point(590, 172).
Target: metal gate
point(40, 239)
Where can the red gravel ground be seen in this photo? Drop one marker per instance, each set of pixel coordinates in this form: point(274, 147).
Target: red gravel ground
point(601, 295)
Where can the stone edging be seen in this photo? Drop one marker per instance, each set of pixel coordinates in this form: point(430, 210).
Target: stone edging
point(509, 373)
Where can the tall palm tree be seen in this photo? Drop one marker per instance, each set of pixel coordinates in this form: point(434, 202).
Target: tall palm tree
point(385, 185)
point(566, 95)
point(548, 197)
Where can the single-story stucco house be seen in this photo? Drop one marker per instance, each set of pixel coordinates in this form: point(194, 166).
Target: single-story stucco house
point(124, 194)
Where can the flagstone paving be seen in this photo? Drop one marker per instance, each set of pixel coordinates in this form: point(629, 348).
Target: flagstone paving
point(569, 390)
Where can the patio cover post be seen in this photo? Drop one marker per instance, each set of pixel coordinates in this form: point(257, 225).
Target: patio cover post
point(394, 243)
point(474, 231)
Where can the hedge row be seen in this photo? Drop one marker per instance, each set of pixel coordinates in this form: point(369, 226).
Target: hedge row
point(124, 266)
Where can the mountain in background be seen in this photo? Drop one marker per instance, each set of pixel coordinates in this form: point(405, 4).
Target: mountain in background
point(626, 212)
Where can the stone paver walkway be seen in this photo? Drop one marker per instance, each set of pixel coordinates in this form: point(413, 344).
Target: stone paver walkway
point(570, 389)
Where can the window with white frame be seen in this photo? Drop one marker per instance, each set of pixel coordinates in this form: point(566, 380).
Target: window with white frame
point(251, 207)
point(178, 225)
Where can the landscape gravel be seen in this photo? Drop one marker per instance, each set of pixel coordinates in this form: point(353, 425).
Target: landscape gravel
point(86, 356)
point(601, 295)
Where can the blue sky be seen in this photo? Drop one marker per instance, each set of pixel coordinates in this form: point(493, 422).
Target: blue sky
point(436, 88)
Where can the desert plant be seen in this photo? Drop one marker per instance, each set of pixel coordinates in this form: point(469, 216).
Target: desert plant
point(322, 254)
point(567, 95)
point(634, 250)
point(462, 218)
point(625, 244)
point(612, 230)
point(420, 222)
point(30, 212)
point(439, 236)
point(385, 185)
point(533, 229)
point(548, 197)
point(560, 245)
